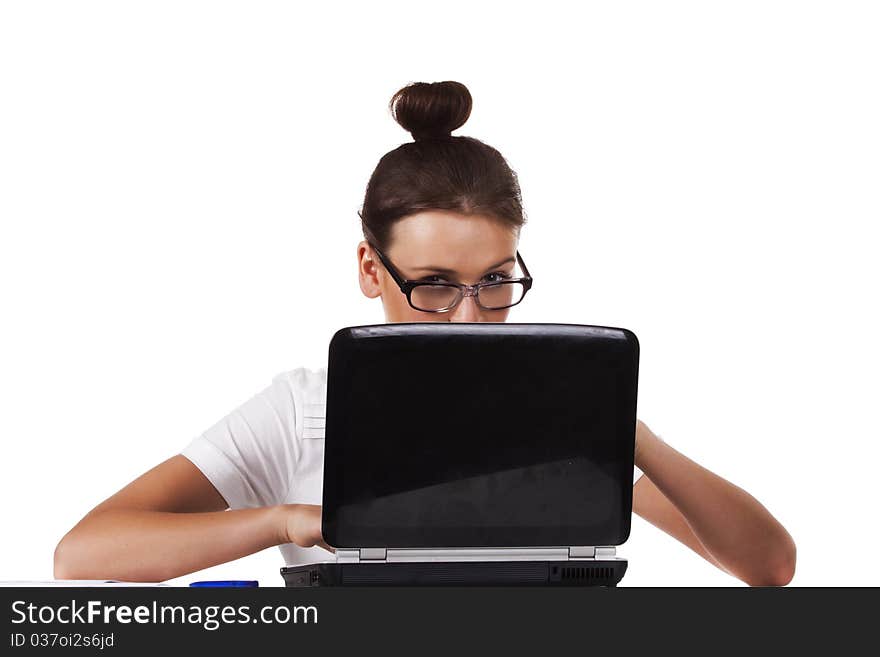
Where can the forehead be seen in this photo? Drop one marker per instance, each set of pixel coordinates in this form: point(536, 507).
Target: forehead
point(451, 240)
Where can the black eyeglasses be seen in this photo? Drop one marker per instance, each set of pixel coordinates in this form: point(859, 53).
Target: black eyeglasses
point(437, 297)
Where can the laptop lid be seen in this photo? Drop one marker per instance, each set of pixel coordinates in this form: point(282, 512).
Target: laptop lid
point(479, 435)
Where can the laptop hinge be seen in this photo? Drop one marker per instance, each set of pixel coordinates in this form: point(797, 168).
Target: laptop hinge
point(589, 552)
point(383, 555)
point(581, 552)
point(605, 552)
point(373, 554)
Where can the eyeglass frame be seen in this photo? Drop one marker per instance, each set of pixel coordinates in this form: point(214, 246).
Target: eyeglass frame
point(407, 286)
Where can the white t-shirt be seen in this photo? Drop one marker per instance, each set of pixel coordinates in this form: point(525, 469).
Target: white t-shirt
point(270, 450)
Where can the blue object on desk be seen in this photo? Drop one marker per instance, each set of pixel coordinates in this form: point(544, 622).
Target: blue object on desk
point(227, 582)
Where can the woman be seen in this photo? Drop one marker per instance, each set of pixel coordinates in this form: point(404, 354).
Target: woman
point(439, 209)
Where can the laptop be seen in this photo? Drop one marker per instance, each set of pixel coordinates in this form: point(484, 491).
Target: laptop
point(477, 454)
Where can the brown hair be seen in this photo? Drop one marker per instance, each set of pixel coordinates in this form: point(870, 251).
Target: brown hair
point(437, 171)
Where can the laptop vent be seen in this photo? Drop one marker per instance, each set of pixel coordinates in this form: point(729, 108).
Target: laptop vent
point(586, 573)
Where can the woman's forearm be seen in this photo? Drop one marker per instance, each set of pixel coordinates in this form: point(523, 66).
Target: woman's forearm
point(152, 546)
point(731, 524)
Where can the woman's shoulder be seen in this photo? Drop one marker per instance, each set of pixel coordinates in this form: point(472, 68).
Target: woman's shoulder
point(303, 378)
point(304, 388)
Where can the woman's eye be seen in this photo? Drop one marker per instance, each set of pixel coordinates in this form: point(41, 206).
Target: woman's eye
point(494, 277)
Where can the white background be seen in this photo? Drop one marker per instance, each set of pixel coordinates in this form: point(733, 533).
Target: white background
point(179, 184)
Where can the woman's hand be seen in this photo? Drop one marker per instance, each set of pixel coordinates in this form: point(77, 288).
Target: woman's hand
point(301, 524)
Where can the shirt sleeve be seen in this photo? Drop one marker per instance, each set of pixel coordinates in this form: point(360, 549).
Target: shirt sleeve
point(250, 454)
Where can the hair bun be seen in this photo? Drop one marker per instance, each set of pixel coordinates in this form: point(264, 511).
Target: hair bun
point(431, 110)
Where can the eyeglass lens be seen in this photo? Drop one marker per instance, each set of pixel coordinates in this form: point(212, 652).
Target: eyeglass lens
point(493, 297)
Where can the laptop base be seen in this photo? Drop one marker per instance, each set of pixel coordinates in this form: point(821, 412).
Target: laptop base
point(463, 573)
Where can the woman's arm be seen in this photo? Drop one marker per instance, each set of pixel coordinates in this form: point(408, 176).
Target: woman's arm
point(169, 522)
point(718, 520)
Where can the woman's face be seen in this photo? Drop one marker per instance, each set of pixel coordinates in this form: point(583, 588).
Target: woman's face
point(440, 245)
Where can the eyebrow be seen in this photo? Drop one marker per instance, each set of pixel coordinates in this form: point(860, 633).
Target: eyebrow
point(450, 271)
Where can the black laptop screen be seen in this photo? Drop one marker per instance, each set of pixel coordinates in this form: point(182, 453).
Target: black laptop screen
point(469, 435)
